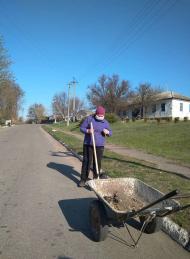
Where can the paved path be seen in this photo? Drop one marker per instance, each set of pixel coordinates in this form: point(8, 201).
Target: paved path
point(44, 215)
point(154, 161)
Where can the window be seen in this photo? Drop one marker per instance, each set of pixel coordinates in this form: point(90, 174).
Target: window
point(153, 108)
point(163, 107)
point(181, 107)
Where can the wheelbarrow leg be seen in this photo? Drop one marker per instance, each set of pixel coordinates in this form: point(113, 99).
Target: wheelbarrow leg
point(153, 226)
point(98, 221)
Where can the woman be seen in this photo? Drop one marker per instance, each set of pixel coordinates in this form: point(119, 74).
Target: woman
point(101, 129)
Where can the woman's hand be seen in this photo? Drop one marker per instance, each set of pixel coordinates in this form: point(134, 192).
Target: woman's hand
point(90, 131)
point(106, 132)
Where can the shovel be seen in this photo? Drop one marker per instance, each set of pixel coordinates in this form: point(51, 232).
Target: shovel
point(94, 148)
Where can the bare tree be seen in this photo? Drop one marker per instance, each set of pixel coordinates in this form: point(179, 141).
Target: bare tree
point(145, 95)
point(36, 113)
point(5, 63)
point(59, 104)
point(79, 104)
point(11, 96)
point(109, 92)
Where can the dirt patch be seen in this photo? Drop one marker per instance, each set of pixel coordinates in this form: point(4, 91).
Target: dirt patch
point(128, 203)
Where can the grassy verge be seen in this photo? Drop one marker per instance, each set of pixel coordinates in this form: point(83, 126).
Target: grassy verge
point(119, 166)
point(171, 140)
point(168, 139)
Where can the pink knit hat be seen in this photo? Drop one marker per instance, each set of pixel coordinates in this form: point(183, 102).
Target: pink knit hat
point(100, 110)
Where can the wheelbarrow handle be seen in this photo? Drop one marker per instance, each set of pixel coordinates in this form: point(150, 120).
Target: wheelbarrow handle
point(163, 213)
point(181, 196)
point(165, 197)
point(176, 209)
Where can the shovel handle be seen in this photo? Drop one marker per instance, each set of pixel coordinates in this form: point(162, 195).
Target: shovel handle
point(165, 197)
point(94, 147)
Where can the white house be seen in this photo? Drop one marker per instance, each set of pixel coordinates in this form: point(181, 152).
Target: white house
point(169, 105)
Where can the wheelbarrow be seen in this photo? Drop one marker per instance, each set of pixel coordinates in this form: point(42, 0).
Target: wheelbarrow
point(121, 199)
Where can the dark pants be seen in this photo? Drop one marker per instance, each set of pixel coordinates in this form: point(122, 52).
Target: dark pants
point(88, 156)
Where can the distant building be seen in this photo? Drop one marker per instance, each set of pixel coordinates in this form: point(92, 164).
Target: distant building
point(82, 114)
point(165, 105)
point(169, 105)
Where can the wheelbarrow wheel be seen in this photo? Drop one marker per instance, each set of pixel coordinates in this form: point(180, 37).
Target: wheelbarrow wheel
point(98, 222)
point(153, 226)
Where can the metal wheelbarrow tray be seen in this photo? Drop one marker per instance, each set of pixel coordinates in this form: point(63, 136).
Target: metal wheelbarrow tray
point(120, 199)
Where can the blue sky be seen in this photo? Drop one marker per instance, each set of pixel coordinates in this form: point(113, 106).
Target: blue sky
point(52, 41)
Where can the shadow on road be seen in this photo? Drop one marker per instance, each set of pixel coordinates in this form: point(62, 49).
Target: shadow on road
point(64, 257)
point(66, 170)
point(60, 153)
point(77, 214)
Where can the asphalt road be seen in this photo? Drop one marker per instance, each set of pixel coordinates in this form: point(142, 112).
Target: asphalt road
point(43, 214)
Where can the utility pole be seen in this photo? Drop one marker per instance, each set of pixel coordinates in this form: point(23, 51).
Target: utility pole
point(74, 82)
point(69, 85)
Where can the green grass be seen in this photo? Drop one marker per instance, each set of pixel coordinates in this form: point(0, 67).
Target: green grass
point(71, 141)
point(169, 139)
point(119, 166)
point(63, 126)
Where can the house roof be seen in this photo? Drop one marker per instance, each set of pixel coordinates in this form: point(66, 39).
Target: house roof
point(84, 112)
point(171, 95)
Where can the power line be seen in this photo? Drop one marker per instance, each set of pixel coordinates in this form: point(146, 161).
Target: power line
point(138, 28)
point(139, 16)
point(141, 31)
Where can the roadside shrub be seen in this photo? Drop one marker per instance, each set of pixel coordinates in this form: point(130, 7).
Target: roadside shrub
point(30, 121)
point(158, 120)
point(145, 119)
point(2, 121)
point(133, 119)
point(185, 119)
point(111, 117)
point(169, 119)
point(125, 119)
point(176, 119)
